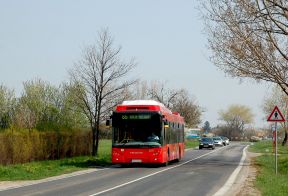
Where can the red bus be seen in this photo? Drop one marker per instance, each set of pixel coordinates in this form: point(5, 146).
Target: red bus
point(145, 131)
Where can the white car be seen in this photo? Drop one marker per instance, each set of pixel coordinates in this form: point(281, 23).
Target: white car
point(218, 141)
point(225, 140)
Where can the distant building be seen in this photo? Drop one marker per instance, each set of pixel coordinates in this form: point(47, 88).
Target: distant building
point(192, 133)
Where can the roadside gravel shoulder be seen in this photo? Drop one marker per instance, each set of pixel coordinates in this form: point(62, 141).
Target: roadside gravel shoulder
point(244, 185)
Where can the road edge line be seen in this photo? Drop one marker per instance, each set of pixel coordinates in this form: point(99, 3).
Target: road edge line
point(232, 178)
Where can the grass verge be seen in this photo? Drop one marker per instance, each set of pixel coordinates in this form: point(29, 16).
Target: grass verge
point(191, 143)
point(266, 181)
point(43, 169)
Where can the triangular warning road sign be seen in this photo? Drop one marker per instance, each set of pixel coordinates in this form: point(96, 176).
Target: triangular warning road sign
point(276, 116)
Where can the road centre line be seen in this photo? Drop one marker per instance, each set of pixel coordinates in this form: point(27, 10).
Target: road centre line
point(147, 176)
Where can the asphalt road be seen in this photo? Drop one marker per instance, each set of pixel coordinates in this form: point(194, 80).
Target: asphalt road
point(200, 172)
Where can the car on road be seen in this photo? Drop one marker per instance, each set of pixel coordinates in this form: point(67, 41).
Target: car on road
point(206, 142)
point(225, 140)
point(218, 141)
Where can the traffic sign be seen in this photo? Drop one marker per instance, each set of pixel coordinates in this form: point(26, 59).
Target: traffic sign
point(276, 116)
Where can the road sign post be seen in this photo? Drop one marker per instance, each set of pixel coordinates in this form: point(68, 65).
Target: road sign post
point(276, 162)
point(276, 116)
point(274, 137)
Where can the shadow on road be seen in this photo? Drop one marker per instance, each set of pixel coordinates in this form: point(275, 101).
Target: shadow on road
point(89, 163)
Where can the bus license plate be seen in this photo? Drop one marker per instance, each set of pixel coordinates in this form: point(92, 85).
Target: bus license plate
point(136, 161)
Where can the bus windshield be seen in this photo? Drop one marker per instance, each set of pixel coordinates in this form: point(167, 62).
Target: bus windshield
point(137, 129)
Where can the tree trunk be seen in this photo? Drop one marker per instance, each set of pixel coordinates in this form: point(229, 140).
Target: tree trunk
point(285, 138)
point(97, 138)
point(98, 125)
point(94, 130)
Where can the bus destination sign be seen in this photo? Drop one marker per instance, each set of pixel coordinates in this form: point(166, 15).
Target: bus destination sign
point(136, 116)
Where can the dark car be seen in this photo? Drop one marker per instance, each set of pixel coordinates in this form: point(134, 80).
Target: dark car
point(206, 142)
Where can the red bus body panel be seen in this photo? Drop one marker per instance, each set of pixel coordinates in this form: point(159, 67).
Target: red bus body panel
point(148, 155)
point(137, 155)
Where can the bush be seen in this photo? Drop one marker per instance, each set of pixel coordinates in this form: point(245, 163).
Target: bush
point(26, 146)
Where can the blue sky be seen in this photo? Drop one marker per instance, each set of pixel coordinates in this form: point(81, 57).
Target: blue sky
point(44, 39)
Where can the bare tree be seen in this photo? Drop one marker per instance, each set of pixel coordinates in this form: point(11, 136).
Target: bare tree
point(98, 77)
point(188, 108)
point(159, 92)
point(140, 90)
point(279, 98)
point(249, 38)
point(177, 100)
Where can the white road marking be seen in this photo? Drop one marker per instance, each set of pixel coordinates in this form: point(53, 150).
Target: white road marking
point(232, 177)
point(147, 176)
